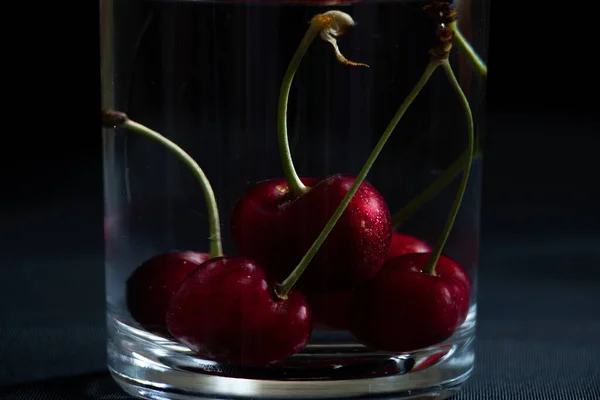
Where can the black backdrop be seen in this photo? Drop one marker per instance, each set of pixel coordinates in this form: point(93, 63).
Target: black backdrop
point(540, 61)
point(540, 177)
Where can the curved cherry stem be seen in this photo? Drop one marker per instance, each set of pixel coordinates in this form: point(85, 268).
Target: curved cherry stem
point(112, 118)
point(466, 47)
point(329, 25)
point(459, 164)
point(295, 185)
point(283, 289)
point(433, 259)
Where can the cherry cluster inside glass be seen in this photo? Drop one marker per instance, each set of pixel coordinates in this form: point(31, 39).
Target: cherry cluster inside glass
point(309, 250)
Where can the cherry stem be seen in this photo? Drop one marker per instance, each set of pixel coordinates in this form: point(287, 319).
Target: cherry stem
point(116, 119)
point(295, 185)
point(283, 289)
point(432, 262)
point(431, 192)
point(465, 46)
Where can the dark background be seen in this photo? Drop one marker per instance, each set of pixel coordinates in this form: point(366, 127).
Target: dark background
point(540, 216)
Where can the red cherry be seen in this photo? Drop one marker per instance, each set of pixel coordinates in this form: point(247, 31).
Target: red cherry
point(151, 286)
point(276, 231)
point(404, 309)
point(226, 311)
point(331, 310)
point(406, 244)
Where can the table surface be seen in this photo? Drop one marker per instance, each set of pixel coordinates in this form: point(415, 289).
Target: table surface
point(538, 332)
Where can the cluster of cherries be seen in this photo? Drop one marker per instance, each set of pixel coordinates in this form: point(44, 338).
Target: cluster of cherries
point(312, 253)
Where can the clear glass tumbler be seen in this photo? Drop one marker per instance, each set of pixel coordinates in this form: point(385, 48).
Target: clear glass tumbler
point(292, 195)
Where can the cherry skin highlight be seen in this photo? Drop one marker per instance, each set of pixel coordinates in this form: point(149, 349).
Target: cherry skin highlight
point(150, 288)
point(276, 230)
point(406, 244)
point(227, 311)
point(404, 309)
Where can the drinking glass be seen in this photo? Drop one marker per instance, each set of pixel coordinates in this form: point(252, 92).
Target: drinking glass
point(292, 196)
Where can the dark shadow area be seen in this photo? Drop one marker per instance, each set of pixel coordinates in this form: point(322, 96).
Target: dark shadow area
point(98, 386)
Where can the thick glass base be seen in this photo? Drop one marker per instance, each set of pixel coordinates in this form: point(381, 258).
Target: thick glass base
point(327, 390)
point(150, 366)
